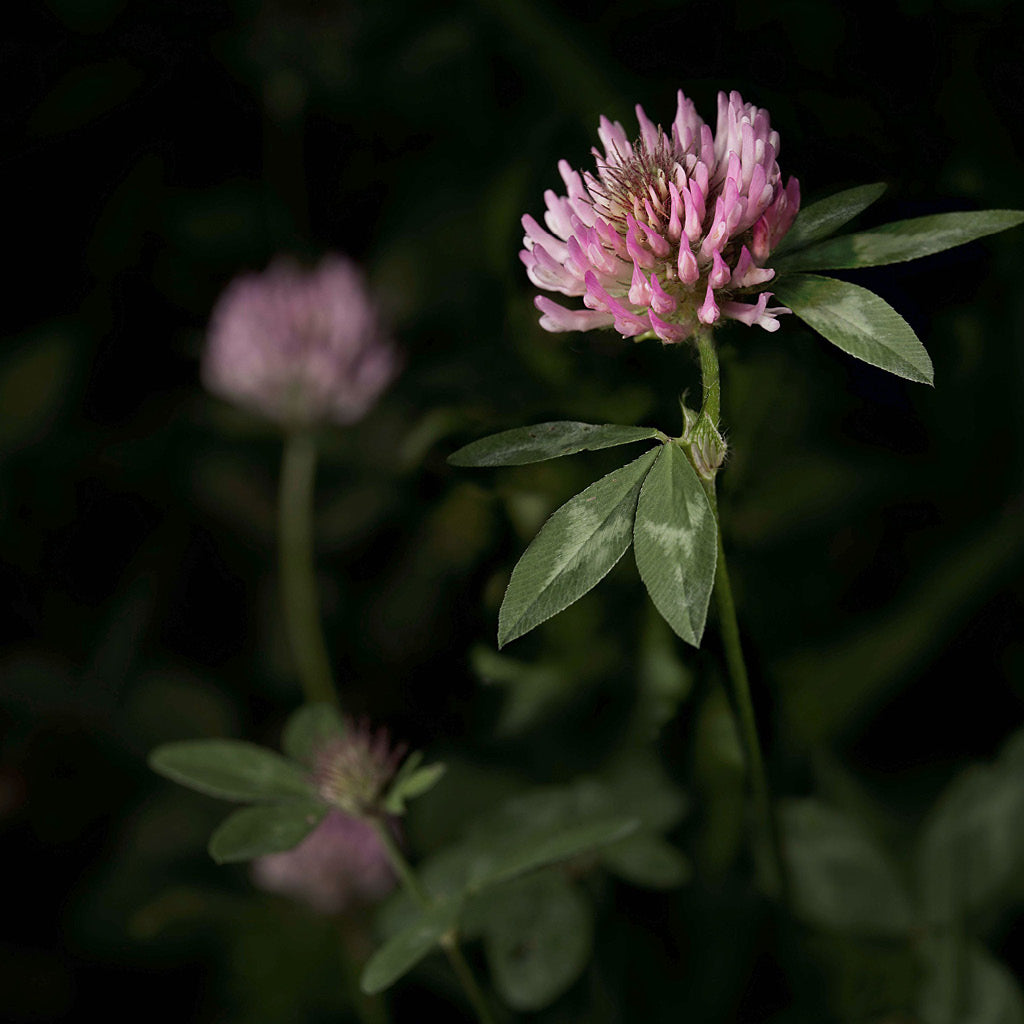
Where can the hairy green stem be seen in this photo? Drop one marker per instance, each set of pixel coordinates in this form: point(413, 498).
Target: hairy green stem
point(298, 574)
point(449, 942)
point(743, 706)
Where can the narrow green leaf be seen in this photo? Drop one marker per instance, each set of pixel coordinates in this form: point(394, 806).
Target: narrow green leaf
point(538, 850)
point(900, 241)
point(265, 828)
point(411, 786)
point(231, 770)
point(820, 219)
point(647, 860)
point(538, 940)
point(841, 881)
point(404, 951)
point(676, 542)
point(308, 729)
point(858, 322)
point(542, 441)
point(574, 551)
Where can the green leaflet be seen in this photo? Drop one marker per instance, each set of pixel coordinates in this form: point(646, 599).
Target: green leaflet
point(840, 880)
point(412, 781)
point(308, 729)
point(972, 847)
point(231, 770)
point(676, 542)
point(401, 953)
point(858, 322)
point(538, 939)
point(647, 860)
point(820, 219)
point(900, 241)
point(561, 843)
point(963, 984)
point(542, 441)
point(265, 828)
point(574, 551)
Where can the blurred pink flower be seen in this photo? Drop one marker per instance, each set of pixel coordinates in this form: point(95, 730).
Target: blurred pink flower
point(673, 231)
point(298, 346)
point(340, 863)
point(353, 770)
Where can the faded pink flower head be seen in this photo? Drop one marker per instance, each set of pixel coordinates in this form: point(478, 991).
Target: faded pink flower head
point(352, 771)
point(298, 346)
point(341, 862)
point(672, 232)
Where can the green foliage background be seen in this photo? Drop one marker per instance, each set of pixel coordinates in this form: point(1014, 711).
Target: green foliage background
point(874, 526)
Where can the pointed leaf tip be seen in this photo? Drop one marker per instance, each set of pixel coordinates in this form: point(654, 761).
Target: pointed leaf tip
point(543, 441)
point(859, 322)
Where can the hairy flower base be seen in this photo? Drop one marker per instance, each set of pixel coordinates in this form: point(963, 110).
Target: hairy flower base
point(673, 231)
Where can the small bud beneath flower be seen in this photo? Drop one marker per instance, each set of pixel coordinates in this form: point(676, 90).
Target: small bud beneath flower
point(300, 347)
point(707, 448)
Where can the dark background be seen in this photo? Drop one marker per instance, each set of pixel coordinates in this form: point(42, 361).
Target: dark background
point(155, 150)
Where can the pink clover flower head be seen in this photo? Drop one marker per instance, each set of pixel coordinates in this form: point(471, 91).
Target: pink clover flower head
point(353, 771)
point(300, 347)
point(673, 231)
point(340, 863)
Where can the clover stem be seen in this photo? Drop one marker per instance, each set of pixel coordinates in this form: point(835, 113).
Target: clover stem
point(298, 573)
point(449, 942)
point(743, 707)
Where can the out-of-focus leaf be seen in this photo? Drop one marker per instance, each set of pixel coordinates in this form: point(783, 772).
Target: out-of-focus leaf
point(963, 984)
point(401, 953)
point(720, 772)
point(231, 770)
point(638, 786)
point(900, 241)
point(665, 680)
point(411, 784)
point(538, 939)
point(820, 219)
point(647, 860)
point(972, 848)
point(34, 385)
point(531, 689)
point(265, 828)
point(308, 729)
point(575, 549)
point(542, 441)
point(539, 850)
point(840, 880)
point(858, 322)
point(676, 542)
